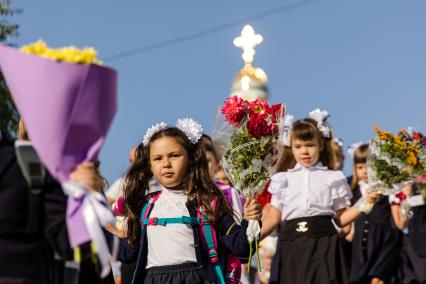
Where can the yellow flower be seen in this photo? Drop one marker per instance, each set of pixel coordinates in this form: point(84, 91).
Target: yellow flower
point(412, 159)
point(69, 54)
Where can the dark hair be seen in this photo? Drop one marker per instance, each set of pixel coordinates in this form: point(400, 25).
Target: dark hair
point(208, 143)
point(360, 157)
point(306, 129)
point(197, 184)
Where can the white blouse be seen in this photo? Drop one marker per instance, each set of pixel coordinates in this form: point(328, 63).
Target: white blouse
point(174, 243)
point(314, 191)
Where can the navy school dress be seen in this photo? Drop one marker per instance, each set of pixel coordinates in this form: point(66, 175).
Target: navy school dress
point(413, 252)
point(375, 245)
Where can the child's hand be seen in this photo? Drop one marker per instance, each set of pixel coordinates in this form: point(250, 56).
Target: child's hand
point(86, 173)
point(372, 197)
point(252, 209)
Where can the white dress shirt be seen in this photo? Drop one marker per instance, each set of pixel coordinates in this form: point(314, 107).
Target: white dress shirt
point(174, 243)
point(305, 192)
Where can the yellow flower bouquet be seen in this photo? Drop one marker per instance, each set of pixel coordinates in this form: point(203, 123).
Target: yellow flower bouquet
point(395, 160)
point(70, 54)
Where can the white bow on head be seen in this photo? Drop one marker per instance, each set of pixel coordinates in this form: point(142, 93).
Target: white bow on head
point(338, 141)
point(321, 116)
point(354, 147)
point(286, 130)
point(192, 129)
point(189, 126)
point(151, 131)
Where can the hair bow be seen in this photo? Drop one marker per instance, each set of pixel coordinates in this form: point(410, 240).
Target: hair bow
point(286, 130)
point(321, 116)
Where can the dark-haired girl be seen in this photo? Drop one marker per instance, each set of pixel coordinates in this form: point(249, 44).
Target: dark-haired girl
point(173, 252)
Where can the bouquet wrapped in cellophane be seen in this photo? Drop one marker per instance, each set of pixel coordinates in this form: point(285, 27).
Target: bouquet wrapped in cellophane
point(246, 143)
point(395, 160)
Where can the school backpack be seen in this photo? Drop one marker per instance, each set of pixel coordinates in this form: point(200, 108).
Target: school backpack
point(224, 263)
point(59, 270)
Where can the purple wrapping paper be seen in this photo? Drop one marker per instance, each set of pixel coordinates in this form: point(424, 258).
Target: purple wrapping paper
point(67, 109)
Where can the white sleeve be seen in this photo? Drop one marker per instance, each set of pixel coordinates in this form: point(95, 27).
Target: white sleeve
point(340, 192)
point(393, 199)
point(277, 188)
point(114, 191)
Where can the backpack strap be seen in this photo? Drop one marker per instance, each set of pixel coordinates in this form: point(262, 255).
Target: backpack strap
point(146, 210)
point(210, 240)
point(154, 221)
point(208, 231)
point(34, 173)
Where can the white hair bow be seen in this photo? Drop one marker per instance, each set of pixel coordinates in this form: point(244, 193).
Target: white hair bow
point(321, 116)
point(286, 130)
point(151, 131)
point(338, 141)
point(354, 147)
point(191, 128)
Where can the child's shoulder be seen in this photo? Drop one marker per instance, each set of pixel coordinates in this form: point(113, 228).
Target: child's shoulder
point(278, 182)
point(337, 179)
point(279, 176)
point(335, 174)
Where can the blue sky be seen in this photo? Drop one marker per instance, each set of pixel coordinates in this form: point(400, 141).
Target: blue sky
point(363, 61)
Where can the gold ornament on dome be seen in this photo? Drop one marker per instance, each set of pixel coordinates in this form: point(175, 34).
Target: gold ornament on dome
point(250, 82)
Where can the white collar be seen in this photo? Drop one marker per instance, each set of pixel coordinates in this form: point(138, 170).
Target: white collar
point(318, 166)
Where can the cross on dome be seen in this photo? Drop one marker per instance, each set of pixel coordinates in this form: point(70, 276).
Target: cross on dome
point(247, 41)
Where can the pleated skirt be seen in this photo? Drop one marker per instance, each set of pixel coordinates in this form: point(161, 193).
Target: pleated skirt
point(313, 256)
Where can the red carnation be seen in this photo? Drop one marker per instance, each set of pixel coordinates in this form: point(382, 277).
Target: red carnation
point(235, 109)
point(258, 125)
point(417, 136)
point(259, 107)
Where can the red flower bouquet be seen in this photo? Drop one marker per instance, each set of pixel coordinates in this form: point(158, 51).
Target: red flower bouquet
point(248, 140)
point(248, 155)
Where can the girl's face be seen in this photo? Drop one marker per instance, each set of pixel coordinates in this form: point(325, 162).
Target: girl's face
point(213, 164)
point(222, 177)
point(361, 171)
point(169, 161)
point(307, 152)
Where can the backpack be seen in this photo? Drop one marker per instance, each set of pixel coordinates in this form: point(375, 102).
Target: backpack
point(224, 263)
point(59, 271)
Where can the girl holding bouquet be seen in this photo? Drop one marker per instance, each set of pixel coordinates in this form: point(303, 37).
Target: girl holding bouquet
point(164, 233)
point(374, 236)
point(413, 251)
point(306, 195)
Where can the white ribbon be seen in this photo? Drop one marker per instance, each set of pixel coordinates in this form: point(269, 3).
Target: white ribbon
point(253, 230)
point(286, 132)
point(355, 146)
point(321, 116)
point(97, 214)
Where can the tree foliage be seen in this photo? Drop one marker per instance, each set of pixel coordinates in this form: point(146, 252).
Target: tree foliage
point(8, 114)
